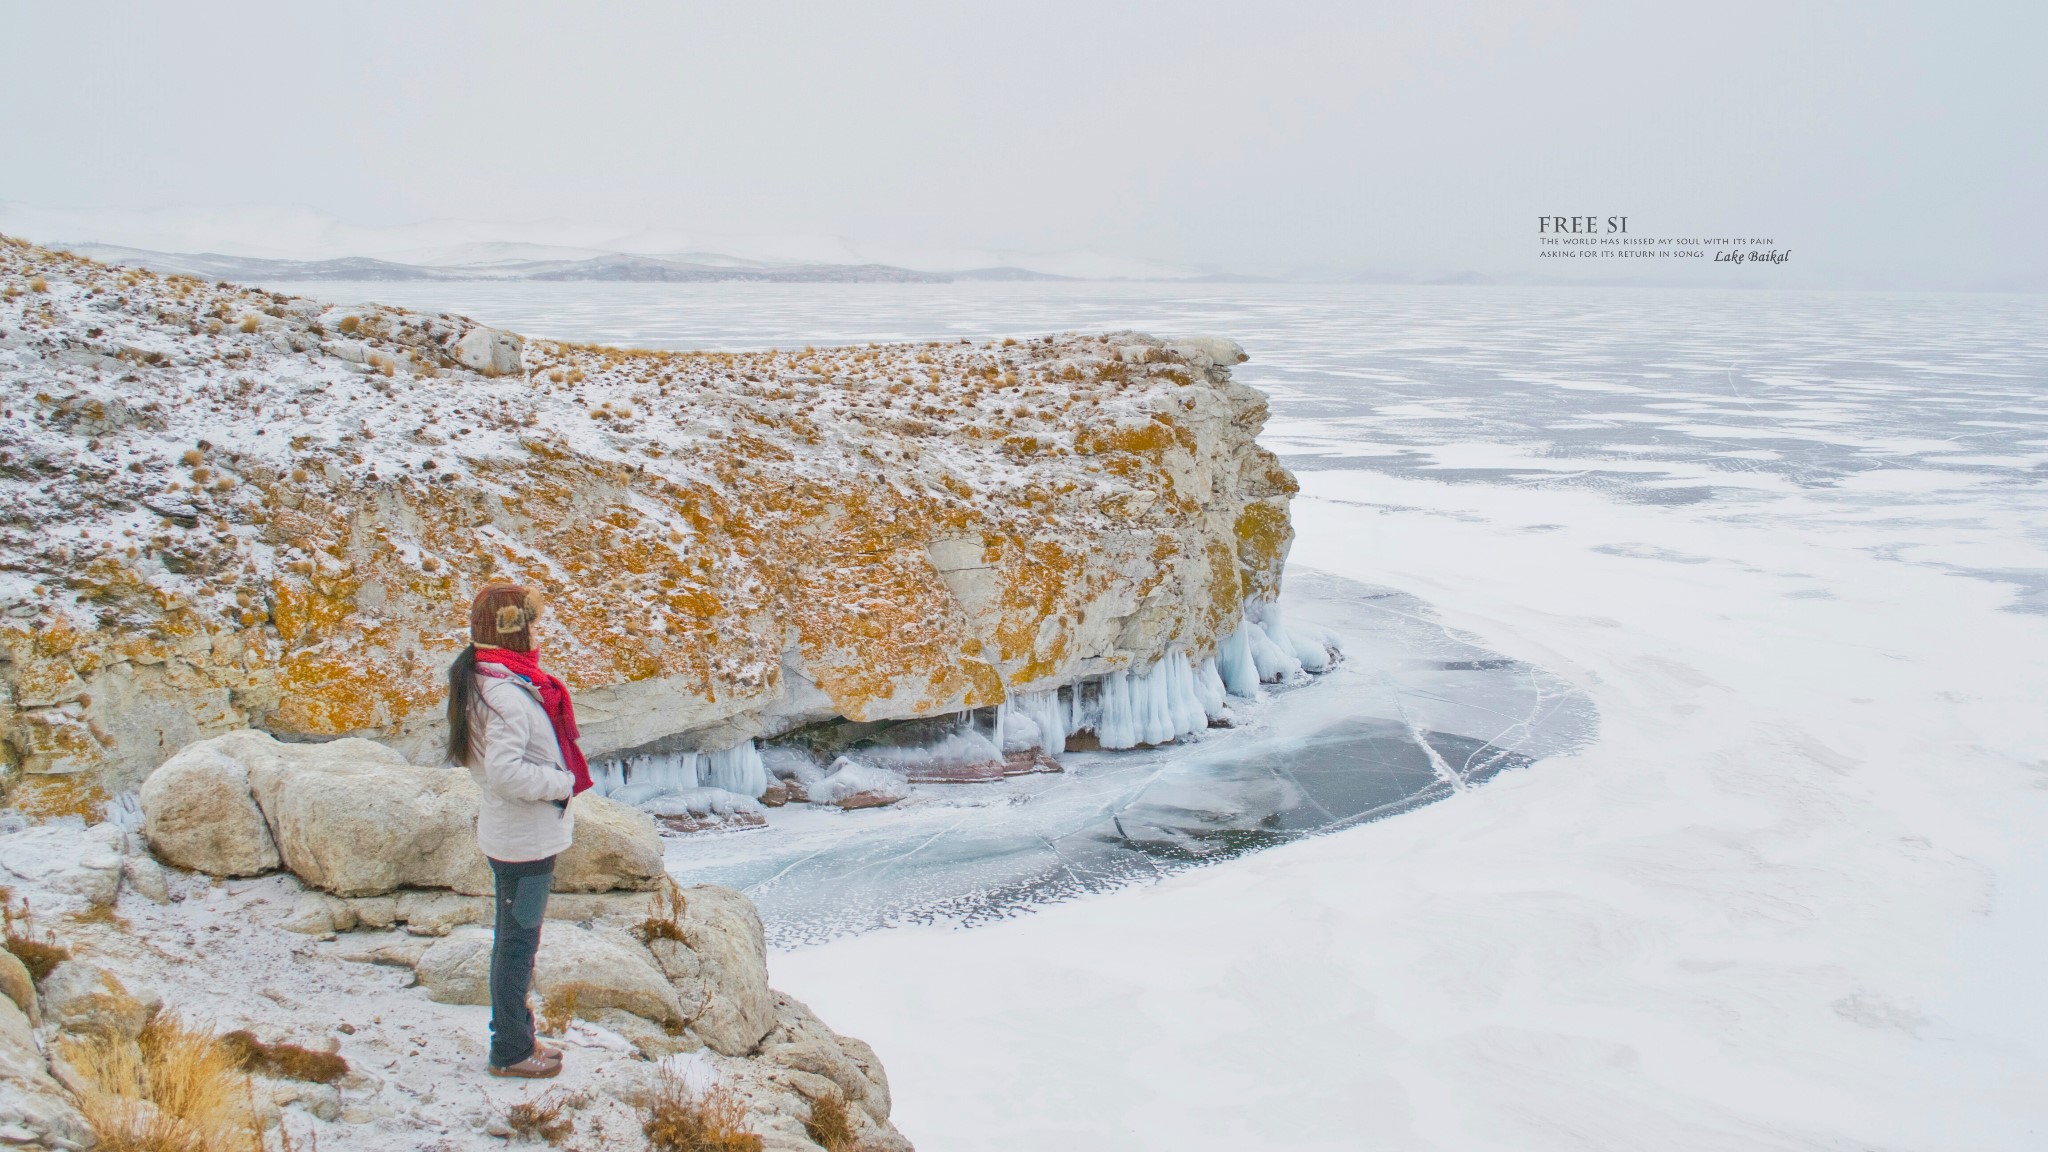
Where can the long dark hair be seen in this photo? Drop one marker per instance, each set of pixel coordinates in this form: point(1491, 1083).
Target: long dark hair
point(461, 695)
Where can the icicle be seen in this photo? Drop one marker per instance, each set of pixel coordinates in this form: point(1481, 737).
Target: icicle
point(1234, 664)
point(1046, 714)
point(607, 777)
point(1085, 709)
point(635, 778)
point(664, 772)
point(1115, 725)
point(1189, 714)
point(1272, 661)
point(736, 769)
point(1155, 706)
point(1209, 687)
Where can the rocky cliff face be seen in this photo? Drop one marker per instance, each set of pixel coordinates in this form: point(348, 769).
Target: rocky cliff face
point(223, 508)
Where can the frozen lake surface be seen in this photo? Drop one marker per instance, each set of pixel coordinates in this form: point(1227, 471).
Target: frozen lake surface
point(1792, 893)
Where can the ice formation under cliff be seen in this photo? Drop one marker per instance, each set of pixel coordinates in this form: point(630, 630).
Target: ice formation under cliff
point(1172, 699)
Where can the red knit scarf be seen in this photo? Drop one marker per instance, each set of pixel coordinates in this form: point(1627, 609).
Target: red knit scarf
point(554, 700)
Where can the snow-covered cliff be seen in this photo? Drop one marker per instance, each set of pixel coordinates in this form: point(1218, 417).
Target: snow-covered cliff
point(222, 507)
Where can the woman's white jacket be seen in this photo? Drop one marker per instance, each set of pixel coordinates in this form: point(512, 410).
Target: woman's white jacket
point(520, 773)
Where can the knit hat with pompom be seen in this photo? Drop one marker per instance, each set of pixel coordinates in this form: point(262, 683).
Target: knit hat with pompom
point(502, 616)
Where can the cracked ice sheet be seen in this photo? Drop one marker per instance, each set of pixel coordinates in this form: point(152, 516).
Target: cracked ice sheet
point(1790, 898)
point(1413, 714)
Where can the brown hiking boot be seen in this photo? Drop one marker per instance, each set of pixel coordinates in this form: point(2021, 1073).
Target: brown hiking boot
point(534, 1067)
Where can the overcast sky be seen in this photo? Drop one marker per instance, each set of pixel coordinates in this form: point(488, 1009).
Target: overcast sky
point(1887, 144)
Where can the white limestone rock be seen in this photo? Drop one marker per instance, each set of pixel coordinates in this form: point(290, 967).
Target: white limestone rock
point(82, 865)
point(437, 913)
point(801, 1041)
point(145, 877)
point(33, 1108)
point(83, 997)
point(457, 969)
point(489, 351)
point(354, 818)
point(616, 846)
point(198, 813)
point(318, 914)
point(720, 969)
point(1209, 351)
point(593, 967)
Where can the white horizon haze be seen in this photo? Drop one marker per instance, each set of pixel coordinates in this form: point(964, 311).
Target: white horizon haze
point(1886, 145)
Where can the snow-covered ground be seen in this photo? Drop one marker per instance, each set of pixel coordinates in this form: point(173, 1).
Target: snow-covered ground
point(1794, 896)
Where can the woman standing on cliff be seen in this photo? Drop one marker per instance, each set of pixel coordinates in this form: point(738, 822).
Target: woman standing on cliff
point(512, 725)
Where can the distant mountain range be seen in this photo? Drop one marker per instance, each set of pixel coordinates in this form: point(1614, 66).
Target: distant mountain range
point(694, 268)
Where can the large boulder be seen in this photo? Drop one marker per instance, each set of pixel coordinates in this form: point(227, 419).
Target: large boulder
point(198, 814)
point(588, 969)
point(354, 818)
point(615, 847)
point(801, 1042)
point(456, 969)
point(719, 967)
point(707, 968)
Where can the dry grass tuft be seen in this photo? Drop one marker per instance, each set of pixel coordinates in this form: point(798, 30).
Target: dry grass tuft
point(39, 285)
point(542, 1118)
point(349, 324)
point(678, 1120)
point(250, 323)
point(285, 1061)
point(664, 914)
point(179, 1090)
point(558, 1011)
point(37, 953)
point(830, 1126)
point(98, 914)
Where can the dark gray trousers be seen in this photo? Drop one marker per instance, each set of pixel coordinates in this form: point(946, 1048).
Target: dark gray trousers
point(522, 903)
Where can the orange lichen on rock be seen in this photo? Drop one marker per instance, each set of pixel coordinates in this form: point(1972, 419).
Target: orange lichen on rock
point(1263, 536)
